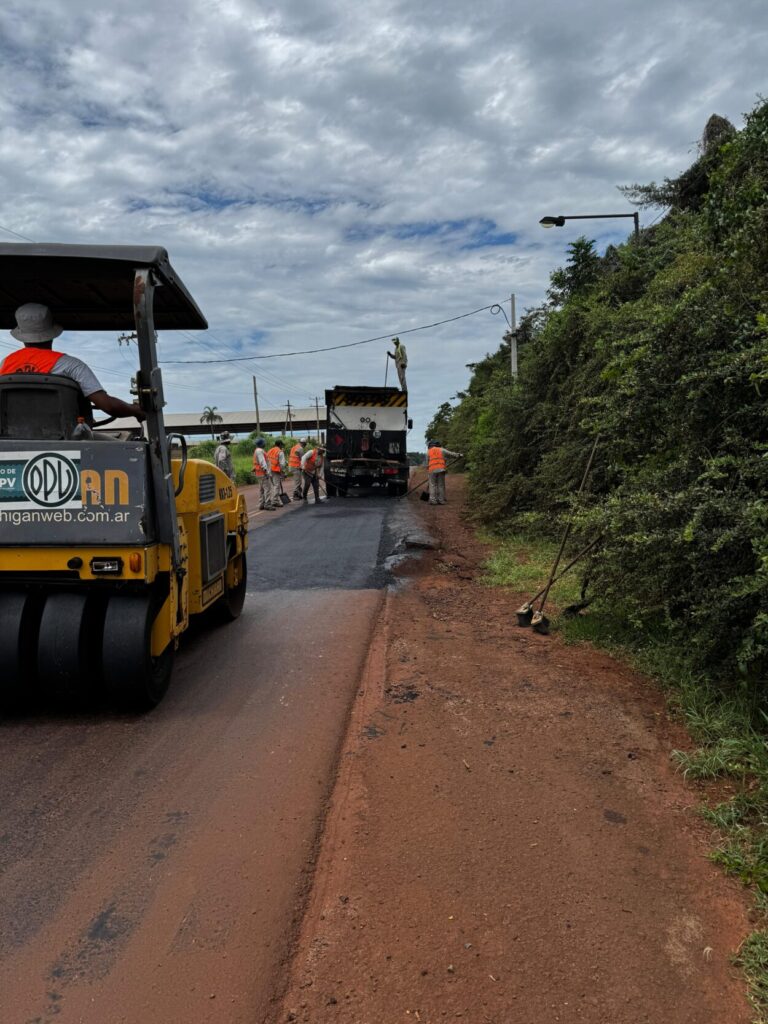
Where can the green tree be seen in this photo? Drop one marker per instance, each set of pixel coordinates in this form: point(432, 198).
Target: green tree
point(581, 271)
point(211, 417)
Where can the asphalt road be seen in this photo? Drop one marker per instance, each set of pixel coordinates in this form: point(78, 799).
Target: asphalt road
point(152, 869)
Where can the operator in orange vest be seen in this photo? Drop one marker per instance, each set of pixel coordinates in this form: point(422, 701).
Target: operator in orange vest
point(36, 328)
point(294, 464)
point(436, 465)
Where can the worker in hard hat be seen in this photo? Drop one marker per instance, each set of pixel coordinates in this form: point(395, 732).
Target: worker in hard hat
point(436, 464)
point(400, 357)
point(222, 457)
point(294, 465)
point(311, 467)
point(263, 473)
point(35, 326)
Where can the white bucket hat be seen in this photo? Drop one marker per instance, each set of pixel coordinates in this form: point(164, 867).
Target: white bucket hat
point(35, 324)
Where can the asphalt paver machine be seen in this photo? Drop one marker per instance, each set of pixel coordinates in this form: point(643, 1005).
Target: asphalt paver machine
point(109, 544)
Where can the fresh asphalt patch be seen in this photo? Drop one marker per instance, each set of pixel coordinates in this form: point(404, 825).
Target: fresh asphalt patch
point(341, 543)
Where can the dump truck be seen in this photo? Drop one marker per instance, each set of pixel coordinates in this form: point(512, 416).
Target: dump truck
point(366, 439)
point(110, 544)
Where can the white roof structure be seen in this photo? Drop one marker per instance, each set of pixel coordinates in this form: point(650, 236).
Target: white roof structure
point(271, 421)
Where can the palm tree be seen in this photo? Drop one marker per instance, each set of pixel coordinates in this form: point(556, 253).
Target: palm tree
point(210, 416)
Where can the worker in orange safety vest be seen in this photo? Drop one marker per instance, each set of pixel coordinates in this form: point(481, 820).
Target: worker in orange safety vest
point(436, 456)
point(263, 475)
point(294, 464)
point(311, 467)
point(277, 470)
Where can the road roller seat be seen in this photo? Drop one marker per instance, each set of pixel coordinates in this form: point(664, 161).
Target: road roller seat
point(41, 406)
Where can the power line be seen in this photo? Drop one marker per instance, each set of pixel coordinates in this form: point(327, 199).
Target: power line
point(16, 233)
point(270, 377)
point(333, 348)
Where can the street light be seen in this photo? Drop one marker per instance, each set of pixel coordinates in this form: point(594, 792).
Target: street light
point(558, 222)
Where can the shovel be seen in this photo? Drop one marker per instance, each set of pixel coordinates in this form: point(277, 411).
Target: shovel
point(525, 613)
point(284, 499)
point(539, 622)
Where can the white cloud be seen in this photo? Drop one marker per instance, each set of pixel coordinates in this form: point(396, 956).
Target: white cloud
point(323, 171)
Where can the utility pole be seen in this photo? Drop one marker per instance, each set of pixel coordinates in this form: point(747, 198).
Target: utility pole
point(256, 403)
point(513, 335)
point(317, 410)
point(289, 422)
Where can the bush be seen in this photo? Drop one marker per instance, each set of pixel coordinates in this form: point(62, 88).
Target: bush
point(660, 348)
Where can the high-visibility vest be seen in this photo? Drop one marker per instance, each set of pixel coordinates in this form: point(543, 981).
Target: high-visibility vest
point(30, 360)
point(274, 459)
point(258, 469)
point(311, 464)
point(294, 460)
point(435, 459)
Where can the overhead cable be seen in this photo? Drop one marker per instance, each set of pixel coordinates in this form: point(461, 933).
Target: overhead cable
point(332, 348)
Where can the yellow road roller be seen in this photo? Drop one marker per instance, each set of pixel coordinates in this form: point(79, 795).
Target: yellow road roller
point(109, 541)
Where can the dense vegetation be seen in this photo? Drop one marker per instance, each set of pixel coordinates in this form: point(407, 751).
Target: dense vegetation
point(660, 347)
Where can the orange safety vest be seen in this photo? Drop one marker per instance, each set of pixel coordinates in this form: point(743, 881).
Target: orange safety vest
point(311, 464)
point(258, 469)
point(435, 460)
point(31, 360)
point(274, 459)
point(294, 460)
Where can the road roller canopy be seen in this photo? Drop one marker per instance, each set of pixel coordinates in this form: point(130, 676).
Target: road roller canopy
point(90, 287)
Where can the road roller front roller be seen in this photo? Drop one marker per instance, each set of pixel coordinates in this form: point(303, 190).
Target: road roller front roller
point(111, 538)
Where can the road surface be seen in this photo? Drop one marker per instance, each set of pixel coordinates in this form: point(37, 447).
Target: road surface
point(153, 868)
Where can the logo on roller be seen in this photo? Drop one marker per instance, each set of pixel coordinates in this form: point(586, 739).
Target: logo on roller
point(51, 480)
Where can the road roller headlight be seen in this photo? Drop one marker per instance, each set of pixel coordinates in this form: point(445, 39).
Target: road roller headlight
point(106, 566)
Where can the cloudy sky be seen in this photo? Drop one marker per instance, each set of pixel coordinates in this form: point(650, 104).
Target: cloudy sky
point(323, 171)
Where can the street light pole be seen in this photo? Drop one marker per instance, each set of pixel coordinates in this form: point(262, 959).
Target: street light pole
point(256, 403)
point(558, 222)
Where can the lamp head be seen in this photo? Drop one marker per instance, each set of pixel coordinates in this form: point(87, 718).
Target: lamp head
point(552, 222)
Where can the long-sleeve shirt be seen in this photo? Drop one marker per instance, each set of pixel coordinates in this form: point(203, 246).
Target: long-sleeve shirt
point(260, 460)
point(315, 465)
point(223, 459)
point(447, 454)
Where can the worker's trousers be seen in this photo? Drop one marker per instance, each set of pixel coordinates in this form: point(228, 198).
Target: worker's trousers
point(273, 498)
point(310, 480)
point(401, 377)
point(437, 487)
point(298, 484)
point(264, 491)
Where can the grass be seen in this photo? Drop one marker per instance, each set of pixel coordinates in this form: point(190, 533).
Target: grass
point(523, 564)
point(753, 959)
point(727, 720)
